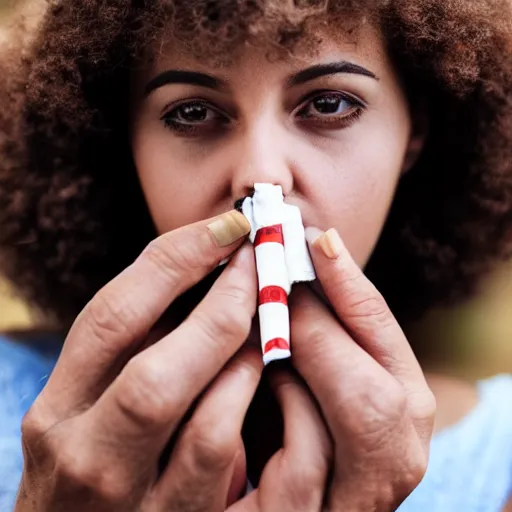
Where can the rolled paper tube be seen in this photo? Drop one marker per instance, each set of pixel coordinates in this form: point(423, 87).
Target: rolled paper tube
point(273, 287)
point(274, 223)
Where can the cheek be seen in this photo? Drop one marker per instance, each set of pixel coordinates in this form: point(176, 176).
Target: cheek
point(354, 190)
point(176, 193)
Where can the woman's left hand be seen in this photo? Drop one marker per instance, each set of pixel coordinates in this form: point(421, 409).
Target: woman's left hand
point(378, 409)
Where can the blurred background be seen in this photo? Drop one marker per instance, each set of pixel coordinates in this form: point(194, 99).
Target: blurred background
point(473, 340)
point(13, 313)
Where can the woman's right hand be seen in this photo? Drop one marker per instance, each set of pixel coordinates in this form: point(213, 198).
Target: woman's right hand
point(93, 438)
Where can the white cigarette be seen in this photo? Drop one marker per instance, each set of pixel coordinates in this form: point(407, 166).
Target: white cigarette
point(282, 259)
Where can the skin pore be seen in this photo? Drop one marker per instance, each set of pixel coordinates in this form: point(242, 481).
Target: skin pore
point(334, 129)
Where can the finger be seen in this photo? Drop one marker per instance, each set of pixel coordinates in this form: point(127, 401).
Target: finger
point(348, 383)
point(305, 433)
point(142, 408)
point(361, 308)
point(364, 312)
point(295, 478)
point(203, 461)
point(378, 440)
point(366, 408)
point(118, 318)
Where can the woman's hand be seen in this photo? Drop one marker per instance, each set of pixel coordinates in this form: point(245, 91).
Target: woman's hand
point(93, 438)
point(373, 398)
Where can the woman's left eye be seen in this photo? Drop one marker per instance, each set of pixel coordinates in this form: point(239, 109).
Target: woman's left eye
point(331, 107)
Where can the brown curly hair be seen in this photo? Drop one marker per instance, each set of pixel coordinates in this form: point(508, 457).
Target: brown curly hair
point(66, 227)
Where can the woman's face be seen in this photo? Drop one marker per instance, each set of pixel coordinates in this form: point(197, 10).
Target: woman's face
point(334, 130)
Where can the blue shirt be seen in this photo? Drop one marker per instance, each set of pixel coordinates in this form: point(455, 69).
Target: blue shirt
point(470, 468)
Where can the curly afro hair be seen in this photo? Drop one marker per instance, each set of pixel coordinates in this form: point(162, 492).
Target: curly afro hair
point(66, 228)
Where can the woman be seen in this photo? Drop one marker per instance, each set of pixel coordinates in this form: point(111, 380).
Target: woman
point(130, 130)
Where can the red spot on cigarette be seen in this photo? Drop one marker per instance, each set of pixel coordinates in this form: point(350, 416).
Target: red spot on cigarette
point(273, 294)
point(269, 234)
point(276, 343)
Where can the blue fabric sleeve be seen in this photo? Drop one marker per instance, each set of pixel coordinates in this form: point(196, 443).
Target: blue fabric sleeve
point(24, 371)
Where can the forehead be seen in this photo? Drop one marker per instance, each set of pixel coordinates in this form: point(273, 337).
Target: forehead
point(319, 43)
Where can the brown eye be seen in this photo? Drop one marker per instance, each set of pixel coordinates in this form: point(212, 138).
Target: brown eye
point(331, 110)
point(193, 116)
point(192, 113)
point(330, 104)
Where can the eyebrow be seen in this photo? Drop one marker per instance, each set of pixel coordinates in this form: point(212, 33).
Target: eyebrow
point(177, 76)
point(329, 69)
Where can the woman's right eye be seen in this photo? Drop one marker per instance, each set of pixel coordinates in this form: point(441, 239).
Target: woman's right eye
point(194, 118)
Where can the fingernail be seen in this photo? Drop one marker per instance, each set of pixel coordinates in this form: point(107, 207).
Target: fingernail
point(330, 243)
point(229, 227)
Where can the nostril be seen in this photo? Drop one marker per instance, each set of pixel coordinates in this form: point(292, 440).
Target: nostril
point(239, 202)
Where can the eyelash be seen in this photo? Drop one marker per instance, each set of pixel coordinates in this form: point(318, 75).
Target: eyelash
point(356, 109)
point(189, 129)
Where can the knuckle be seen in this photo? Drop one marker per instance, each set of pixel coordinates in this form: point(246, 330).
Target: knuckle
point(425, 407)
point(237, 293)
point(305, 484)
point(311, 342)
point(369, 303)
point(413, 473)
point(376, 406)
point(314, 336)
point(72, 467)
point(79, 471)
point(35, 424)
point(236, 296)
point(174, 256)
point(416, 472)
point(214, 445)
point(106, 317)
point(110, 486)
point(142, 398)
point(316, 333)
point(231, 320)
point(394, 399)
point(165, 254)
point(310, 477)
point(422, 410)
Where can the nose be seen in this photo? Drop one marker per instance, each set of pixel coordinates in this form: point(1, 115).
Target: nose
point(262, 156)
